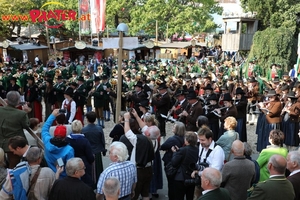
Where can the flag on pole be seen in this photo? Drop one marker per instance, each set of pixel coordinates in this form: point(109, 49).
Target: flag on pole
point(98, 8)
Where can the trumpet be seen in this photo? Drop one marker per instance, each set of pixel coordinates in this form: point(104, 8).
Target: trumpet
point(158, 82)
point(125, 94)
point(219, 109)
point(266, 102)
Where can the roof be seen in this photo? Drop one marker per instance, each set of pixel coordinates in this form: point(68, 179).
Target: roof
point(180, 45)
point(140, 46)
point(90, 47)
point(27, 46)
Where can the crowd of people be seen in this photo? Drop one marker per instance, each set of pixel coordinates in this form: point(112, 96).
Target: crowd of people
point(209, 102)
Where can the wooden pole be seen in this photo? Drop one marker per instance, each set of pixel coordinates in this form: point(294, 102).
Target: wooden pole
point(107, 34)
point(119, 85)
point(167, 33)
point(156, 32)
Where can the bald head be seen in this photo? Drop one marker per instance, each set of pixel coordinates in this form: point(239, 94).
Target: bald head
point(212, 178)
point(277, 165)
point(237, 148)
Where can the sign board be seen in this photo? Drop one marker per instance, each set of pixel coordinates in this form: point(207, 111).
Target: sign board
point(113, 43)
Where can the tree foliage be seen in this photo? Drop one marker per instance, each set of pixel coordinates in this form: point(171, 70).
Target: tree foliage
point(271, 13)
point(179, 15)
point(279, 25)
point(13, 7)
point(281, 47)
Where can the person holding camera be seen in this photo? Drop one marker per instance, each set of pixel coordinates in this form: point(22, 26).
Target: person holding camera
point(56, 147)
point(182, 159)
point(210, 155)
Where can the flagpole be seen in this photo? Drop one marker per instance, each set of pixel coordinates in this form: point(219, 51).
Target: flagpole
point(79, 34)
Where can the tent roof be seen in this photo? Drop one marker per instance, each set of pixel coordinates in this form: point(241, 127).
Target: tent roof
point(27, 46)
point(180, 45)
point(87, 47)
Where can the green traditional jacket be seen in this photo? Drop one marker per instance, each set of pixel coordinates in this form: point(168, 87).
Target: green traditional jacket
point(89, 84)
point(280, 73)
point(59, 90)
point(105, 95)
point(99, 96)
point(5, 82)
point(50, 73)
point(257, 70)
point(22, 81)
point(65, 73)
point(196, 69)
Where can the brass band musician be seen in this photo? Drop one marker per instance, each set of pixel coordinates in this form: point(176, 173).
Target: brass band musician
point(269, 120)
point(180, 105)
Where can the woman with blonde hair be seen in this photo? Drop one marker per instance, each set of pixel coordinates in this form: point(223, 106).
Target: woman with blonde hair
point(226, 140)
point(82, 149)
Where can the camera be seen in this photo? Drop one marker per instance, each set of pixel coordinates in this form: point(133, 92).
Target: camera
point(199, 167)
point(197, 180)
point(62, 111)
point(193, 181)
point(129, 110)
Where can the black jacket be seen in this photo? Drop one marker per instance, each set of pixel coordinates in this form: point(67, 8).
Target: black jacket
point(183, 158)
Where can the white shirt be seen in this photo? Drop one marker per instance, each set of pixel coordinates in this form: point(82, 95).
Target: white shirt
point(216, 157)
point(72, 109)
point(295, 172)
point(132, 139)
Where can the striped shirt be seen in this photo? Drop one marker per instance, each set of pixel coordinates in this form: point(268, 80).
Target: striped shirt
point(125, 172)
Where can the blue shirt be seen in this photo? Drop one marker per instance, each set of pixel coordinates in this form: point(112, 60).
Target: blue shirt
point(125, 172)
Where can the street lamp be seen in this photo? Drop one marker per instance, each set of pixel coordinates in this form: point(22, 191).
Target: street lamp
point(121, 28)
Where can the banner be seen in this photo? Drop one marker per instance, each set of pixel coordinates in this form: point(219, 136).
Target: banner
point(98, 8)
point(84, 11)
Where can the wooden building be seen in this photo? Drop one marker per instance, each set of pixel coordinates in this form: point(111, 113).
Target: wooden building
point(241, 40)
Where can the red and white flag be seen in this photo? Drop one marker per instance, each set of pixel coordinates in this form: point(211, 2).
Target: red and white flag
point(98, 8)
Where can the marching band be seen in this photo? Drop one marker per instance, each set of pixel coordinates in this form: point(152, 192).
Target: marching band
point(181, 90)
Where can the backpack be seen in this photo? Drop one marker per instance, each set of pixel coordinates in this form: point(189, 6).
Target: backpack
point(20, 179)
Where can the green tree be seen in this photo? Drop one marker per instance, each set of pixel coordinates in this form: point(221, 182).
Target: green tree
point(279, 26)
point(269, 11)
point(180, 15)
point(14, 7)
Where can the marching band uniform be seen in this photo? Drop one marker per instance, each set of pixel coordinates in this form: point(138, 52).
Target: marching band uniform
point(212, 118)
point(69, 105)
point(179, 106)
point(98, 93)
point(162, 103)
point(59, 89)
point(269, 121)
point(253, 97)
point(12, 86)
point(106, 98)
point(80, 98)
point(241, 106)
point(229, 111)
point(290, 120)
point(32, 99)
point(89, 86)
point(49, 98)
point(138, 96)
point(193, 111)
